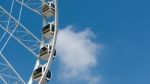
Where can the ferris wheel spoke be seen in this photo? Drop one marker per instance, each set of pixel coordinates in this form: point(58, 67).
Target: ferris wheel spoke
point(12, 5)
point(24, 44)
point(9, 76)
point(2, 64)
point(13, 79)
point(8, 22)
point(22, 35)
point(8, 38)
point(15, 74)
point(17, 22)
point(33, 5)
point(3, 79)
point(43, 49)
point(8, 26)
point(4, 69)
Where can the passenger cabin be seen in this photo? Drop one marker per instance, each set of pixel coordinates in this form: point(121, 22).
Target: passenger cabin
point(45, 52)
point(48, 31)
point(48, 9)
point(37, 74)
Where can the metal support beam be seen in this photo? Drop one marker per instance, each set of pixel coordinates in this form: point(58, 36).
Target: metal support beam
point(12, 68)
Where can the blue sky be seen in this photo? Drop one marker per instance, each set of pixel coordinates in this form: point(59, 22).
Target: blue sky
point(121, 29)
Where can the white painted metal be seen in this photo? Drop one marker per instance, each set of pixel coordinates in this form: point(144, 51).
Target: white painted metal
point(3, 79)
point(24, 42)
point(28, 3)
point(8, 19)
point(12, 68)
point(9, 66)
point(48, 64)
point(52, 43)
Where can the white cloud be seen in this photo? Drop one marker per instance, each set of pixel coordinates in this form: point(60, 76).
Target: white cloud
point(93, 80)
point(77, 53)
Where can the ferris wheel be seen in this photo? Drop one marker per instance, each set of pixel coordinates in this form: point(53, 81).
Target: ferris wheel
point(43, 49)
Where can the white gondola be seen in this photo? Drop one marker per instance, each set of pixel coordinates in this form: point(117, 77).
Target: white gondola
point(37, 74)
point(45, 52)
point(48, 9)
point(48, 30)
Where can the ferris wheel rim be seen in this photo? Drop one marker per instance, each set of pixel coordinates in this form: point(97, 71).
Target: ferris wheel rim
point(54, 38)
point(53, 43)
point(47, 67)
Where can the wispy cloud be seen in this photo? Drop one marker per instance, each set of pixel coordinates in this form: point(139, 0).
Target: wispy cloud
point(78, 55)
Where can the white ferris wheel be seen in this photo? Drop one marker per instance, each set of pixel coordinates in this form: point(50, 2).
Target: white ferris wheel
point(43, 49)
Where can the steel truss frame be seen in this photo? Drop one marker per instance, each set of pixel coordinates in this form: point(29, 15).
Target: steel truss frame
point(22, 35)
